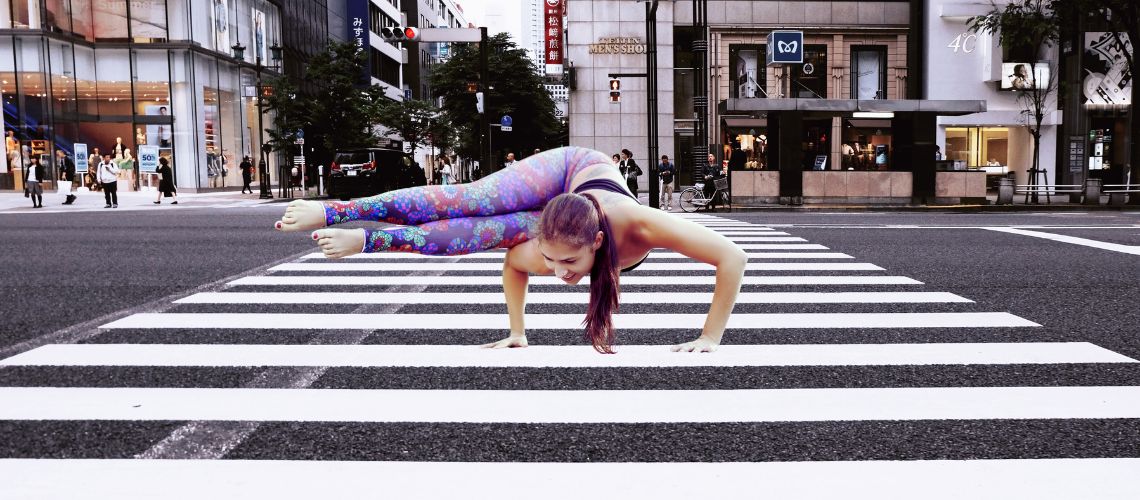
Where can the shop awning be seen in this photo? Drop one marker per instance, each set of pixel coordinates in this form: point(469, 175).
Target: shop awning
point(864, 123)
point(840, 107)
point(744, 122)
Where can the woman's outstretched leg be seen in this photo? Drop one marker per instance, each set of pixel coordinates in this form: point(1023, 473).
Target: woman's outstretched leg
point(457, 236)
point(527, 185)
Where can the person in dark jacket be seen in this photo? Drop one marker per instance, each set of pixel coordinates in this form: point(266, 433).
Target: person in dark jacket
point(166, 183)
point(712, 172)
point(66, 175)
point(629, 170)
point(246, 174)
point(33, 177)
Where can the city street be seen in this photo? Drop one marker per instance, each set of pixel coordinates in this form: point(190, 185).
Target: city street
point(871, 354)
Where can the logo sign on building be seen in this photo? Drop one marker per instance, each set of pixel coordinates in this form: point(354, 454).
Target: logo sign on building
point(148, 159)
point(553, 30)
point(785, 47)
point(358, 33)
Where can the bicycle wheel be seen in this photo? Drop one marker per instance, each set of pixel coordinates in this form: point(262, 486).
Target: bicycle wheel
point(726, 201)
point(686, 199)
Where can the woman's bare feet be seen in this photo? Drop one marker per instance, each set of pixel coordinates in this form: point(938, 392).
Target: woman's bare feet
point(339, 243)
point(302, 215)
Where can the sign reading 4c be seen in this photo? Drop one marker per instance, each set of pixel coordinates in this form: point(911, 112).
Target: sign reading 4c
point(785, 47)
point(967, 42)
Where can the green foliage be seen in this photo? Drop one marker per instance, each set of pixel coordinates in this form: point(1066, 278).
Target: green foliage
point(345, 108)
point(412, 119)
point(292, 114)
point(1023, 27)
point(515, 90)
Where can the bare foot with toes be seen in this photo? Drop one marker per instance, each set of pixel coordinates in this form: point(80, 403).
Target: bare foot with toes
point(339, 243)
point(302, 215)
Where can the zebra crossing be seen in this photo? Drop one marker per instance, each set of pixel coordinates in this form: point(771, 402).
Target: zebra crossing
point(360, 377)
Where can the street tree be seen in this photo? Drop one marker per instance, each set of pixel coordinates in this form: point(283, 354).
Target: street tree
point(412, 119)
point(1026, 29)
point(345, 109)
point(291, 111)
point(514, 88)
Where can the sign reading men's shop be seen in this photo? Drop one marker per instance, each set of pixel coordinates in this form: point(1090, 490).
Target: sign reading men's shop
point(785, 47)
point(618, 45)
point(358, 33)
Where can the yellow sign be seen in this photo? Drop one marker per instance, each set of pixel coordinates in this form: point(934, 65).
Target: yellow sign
point(618, 45)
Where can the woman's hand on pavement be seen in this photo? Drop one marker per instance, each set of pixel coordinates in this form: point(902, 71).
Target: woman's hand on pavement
point(702, 344)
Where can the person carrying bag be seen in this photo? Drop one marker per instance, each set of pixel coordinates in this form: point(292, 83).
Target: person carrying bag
point(108, 174)
point(630, 170)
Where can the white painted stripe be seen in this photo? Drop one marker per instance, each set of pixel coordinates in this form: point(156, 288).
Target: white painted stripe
point(587, 406)
point(781, 246)
point(1053, 479)
point(765, 321)
point(635, 356)
point(1115, 247)
point(498, 256)
point(765, 239)
point(626, 280)
point(494, 266)
point(749, 232)
point(582, 297)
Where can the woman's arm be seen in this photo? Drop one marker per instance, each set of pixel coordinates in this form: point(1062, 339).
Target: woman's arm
point(661, 230)
point(517, 266)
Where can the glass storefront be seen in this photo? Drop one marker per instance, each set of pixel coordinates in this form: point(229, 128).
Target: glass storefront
point(978, 146)
point(154, 74)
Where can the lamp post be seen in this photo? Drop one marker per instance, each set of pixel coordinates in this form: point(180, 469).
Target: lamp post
point(263, 167)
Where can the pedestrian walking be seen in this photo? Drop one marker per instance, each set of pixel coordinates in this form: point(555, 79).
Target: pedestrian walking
point(33, 179)
point(447, 172)
point(510, 160)
point(109, 179)
point(630, 170)
point(246, 167)
point(668, 173)
point(166, 182)
point(93, 161)
point(66, 175)
point(617, 160)
point(563, 212)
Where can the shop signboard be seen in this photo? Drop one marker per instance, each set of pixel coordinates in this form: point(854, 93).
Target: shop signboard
point(1107, 78)
point(80, 158)
point(552, 30)
point(785, 47)
point(358, 33)
point(148, 159)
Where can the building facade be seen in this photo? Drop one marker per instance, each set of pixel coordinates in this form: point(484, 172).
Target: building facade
point(119, 76)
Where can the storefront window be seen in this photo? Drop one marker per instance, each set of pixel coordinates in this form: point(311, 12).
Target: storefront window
point(809, 80)
point(867, 144)
point(58, 19)
point(869, 72)
point(110, 21)
point(148, 20)
point(978, 146)
point(749, 74)
point(80, 12)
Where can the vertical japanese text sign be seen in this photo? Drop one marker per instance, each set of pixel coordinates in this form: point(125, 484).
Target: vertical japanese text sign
point(358, 33)
point(553, 30)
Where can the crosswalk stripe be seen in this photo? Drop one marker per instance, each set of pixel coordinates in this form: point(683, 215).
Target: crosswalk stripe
point(1040, 479)
point(765, 239)
point(639, 356)
point(328, 322)
point(554, 406)
point(749, 232)
point(494, 266)
point(551, 280)
point(581, 297)
point(501, 255)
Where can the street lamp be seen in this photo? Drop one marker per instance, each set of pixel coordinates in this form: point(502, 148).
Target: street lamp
point(263, 168)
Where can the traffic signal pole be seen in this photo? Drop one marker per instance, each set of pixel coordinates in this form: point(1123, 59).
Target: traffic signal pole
point(485, 167)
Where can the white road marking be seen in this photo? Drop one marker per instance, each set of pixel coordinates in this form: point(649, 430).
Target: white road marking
point(494, 266)
point(582, 297)
point(325, 322)
point(641, 356)
point(627, 280)
point(498, 256)
point(1115, 247)
point(577, 406)
point(1052, 479)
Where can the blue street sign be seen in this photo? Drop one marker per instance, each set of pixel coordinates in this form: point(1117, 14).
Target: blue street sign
point(506, 121)
point(785, 47)
point(300, 134)
point(407, 94)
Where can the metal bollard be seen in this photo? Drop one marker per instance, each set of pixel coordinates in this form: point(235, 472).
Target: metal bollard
point(1092, 192)
point(1005, 191)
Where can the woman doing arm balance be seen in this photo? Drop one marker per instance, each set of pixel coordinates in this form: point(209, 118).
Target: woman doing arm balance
point(563, 212)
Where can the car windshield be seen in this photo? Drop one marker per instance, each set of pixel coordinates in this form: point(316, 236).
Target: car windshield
point(352, 158)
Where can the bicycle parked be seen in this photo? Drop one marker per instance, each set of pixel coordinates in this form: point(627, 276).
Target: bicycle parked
point(693, 198)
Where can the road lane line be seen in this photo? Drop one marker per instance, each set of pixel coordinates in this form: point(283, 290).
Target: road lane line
point(678, 281)
point(494, 266)
point(1115, 247)
point(328, 322)
point(629, 356)
point(582, 297)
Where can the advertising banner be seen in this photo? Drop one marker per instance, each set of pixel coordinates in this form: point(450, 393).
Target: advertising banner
point(148, 159)
point(358, 30)
point(553, 30)
point(80, 158)
point(1107, 79)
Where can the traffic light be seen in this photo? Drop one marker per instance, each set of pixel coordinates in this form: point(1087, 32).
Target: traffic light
point(615, 90)
point(400, 34)
point(479, 102)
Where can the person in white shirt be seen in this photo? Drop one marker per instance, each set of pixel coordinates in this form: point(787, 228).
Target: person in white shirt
point(109, 177)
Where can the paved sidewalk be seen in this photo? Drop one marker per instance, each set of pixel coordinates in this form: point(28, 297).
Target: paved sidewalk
point(15, 202)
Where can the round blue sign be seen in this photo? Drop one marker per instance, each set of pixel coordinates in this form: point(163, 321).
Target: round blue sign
point(506, 121)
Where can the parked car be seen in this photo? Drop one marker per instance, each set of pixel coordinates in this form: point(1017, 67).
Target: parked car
point(366, 172)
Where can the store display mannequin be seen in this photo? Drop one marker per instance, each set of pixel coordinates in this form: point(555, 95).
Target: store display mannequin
point(140, 137)
point(117, 151)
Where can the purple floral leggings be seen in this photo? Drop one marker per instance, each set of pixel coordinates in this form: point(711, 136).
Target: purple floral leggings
point(497, 211)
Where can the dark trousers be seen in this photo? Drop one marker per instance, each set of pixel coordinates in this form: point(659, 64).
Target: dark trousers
point(710, 188)
point(111, 192)
point(632, 184)
point(245, 187)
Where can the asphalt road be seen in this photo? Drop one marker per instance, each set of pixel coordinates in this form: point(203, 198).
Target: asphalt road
point(66, 275)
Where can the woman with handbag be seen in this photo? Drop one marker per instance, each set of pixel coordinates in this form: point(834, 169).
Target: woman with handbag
point(166, 183)
point(631, 171)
